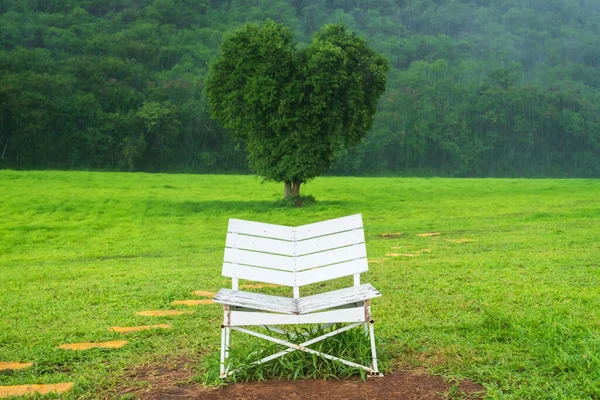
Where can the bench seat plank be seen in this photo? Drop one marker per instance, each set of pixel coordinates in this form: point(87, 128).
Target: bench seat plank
point(257, 301)
point(304, 305)
point(337, 298)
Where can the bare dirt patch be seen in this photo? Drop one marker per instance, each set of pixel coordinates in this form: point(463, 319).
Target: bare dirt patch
point(14, 365)
point(174, 383)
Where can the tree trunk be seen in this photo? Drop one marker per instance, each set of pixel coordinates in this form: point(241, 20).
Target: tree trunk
point(296, 187)
point(288, 189)
point(4, 151)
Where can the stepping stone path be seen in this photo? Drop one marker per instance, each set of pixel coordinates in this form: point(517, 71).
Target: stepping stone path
point(128, 329)
point(191, 302)
point(414, 253)
point(115, 344)
point(462, 240)
point(162, 313)
point(258, 286)
point(20, 390)
point(429, 234)
point(393, 235)
point(204, 293)
point(14, 365)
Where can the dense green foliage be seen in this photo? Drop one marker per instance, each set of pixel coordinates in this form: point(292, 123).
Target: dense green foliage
point(507, 295)
point(296, 109)
point(476, 87)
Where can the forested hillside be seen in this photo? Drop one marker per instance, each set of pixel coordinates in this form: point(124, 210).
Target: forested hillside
point(477, 87)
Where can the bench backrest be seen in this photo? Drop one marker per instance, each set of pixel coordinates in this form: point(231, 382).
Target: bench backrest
point(295, 256)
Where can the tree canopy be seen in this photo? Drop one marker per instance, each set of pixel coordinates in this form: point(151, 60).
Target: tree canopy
point(295, 108)
point(475, 88)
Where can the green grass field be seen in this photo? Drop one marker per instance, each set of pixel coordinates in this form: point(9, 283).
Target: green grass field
point(516, 307)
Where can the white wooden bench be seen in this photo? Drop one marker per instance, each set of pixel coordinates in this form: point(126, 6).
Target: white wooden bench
point(296, 257)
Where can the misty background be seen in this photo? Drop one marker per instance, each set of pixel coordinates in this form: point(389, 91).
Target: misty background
point(507, 88)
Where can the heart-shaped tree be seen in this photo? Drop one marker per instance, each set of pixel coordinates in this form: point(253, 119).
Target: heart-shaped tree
point(295, 108)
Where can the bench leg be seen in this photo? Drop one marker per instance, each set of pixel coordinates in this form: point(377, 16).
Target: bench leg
point(367, 305)
point(227, 338)
point(373, 350)
point(222, 373)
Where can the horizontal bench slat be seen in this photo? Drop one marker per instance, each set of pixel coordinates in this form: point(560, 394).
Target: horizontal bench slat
point(258, 274)
point(331, 272)
point(255, 243)
point(245, 318)
point(331, 257)
point(329, 227)
point(261, 229)
point(272, 261)
point(330, 242)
